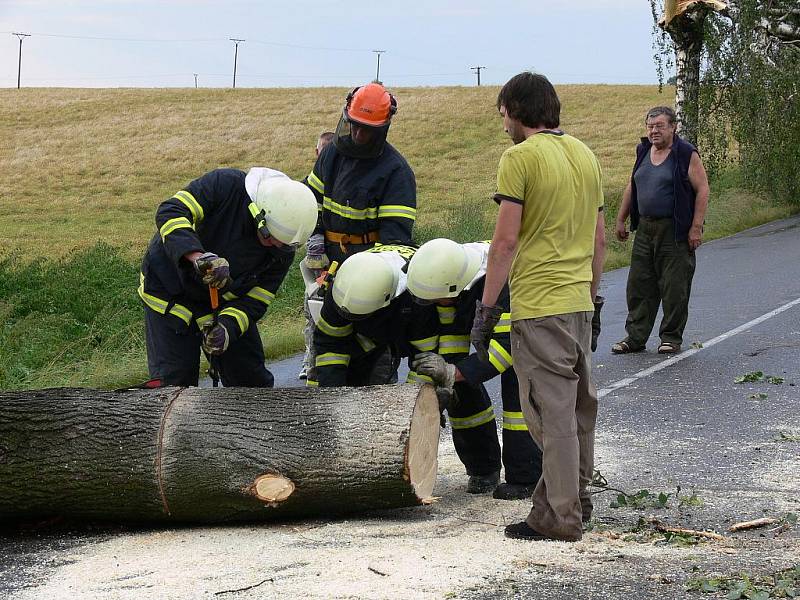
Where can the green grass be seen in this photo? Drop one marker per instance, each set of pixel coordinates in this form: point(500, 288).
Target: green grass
point(82, 171)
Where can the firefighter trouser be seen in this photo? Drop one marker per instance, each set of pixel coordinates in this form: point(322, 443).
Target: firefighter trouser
point(173, 354)
point(474, 429)
point(522, 458)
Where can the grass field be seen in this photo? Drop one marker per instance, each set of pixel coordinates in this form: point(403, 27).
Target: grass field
point(82, 171)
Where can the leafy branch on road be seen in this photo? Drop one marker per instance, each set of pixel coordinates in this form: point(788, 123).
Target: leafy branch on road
point(781, 584)
point(643, 498)
point(759, 377)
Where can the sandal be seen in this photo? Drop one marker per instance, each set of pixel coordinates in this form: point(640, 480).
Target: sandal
point(624, 347)
point(669, 348)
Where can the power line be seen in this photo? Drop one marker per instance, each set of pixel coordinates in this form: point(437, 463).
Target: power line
point(21, 36)
point(478, 71)
point(236, 41)
point(378, 71)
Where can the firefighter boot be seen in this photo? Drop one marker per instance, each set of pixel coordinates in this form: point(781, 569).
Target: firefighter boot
point(513, 491)
point(481, 484)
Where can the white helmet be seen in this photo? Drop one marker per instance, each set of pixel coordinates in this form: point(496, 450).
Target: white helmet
point(442, 268)
point(288, 210)
point(364, 284)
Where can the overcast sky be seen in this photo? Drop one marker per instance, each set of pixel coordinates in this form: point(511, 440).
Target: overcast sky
point(148, 43)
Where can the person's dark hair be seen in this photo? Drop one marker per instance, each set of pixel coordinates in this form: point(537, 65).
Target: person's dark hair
point(531, 99)
point(657, 111)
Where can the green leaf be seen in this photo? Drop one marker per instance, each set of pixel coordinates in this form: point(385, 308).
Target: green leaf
point(750, 377)
point(662, 499)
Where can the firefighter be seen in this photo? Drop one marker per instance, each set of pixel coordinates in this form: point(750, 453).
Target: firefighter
point(227, 238)
point(365, 189)
point(365, 321)
point(451, 276)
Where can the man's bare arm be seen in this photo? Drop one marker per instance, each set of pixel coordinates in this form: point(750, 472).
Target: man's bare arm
point(599, 251)
point(502, 251)
point(699, 181)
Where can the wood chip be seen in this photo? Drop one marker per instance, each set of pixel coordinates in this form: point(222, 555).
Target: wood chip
point(763, 522)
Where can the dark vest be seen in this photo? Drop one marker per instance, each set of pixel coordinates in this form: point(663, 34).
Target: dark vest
point(683, 210)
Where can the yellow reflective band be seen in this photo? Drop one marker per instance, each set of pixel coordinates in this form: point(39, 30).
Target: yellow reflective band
point(173, 224)
point(332, 358)
point(229, 296)
point(334, 331)
point(254, 210)
point(404, 251)
point(241, 317)
point(504, 324)
point(414, 377)
point(367, 345)
point(193, 205)
point(260, 294)
point(316, 183)
point(357, 214)
point(312, 383)
point(160, 306)
point(499, 357)
point(453, 344)
point(427, 344)
point(476, 420)
point(397, 210)
point(447, 314)
point(514, 421)
point(204, 320)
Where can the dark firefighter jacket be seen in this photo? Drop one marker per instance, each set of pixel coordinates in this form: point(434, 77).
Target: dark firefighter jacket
point(212, 214)
point(359, 196)
point(452, 329)
point(338, 340)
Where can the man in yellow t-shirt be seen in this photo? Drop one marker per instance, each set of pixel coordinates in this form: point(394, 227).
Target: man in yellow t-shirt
point(549, 241)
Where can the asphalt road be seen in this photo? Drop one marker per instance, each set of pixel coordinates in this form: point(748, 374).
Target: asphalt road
point(663, 422)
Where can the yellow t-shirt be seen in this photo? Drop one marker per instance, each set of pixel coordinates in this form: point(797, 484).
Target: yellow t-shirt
point(558, 181)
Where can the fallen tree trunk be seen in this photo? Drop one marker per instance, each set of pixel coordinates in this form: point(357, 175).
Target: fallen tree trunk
point(215, 455)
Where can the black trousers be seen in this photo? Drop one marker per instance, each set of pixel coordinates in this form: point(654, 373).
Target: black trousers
point(522, 458)
point(474, 429)
point(173, 354)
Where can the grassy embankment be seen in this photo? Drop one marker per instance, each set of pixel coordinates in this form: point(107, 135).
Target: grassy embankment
point(81, 172)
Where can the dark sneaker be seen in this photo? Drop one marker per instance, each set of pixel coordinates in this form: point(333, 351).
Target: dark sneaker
point(523, 531)
point(513, 491)
point(481, 484)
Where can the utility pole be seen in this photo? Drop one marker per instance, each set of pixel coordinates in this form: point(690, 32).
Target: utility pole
point(195, 81)
point(19, 66)
point(478, 71)
point(378, 71)
point(235, 57)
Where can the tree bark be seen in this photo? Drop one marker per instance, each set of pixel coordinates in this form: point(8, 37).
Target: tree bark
point(215, 455)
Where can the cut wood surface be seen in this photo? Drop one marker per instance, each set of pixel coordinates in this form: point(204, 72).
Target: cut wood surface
point(215, 455)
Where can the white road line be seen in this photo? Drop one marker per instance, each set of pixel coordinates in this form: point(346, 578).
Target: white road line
point(691, 352)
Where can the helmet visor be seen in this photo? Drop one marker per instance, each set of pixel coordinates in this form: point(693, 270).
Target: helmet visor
point(357, 140)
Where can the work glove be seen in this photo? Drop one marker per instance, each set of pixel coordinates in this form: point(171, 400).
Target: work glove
point(214, 270)
point(446, 400)
point(486, 317)
point(317, 262)
point(434, 366)
point(315, 246)
point(598, 306)
point(215, 340)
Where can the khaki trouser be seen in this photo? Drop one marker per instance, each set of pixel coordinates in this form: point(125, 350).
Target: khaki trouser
point(552, 358)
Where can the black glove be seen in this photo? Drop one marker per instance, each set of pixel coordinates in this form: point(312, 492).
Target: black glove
point(215, 340)
point(486, 317)
point(445, 397)
point(434, 366)
point(214, 270)
point(598, 306)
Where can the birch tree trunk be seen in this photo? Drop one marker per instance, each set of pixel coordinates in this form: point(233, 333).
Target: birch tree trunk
point(215, 455)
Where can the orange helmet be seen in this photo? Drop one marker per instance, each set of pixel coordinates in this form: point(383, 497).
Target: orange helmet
point(370, 105)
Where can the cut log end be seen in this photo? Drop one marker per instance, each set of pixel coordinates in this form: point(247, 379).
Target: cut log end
point(272, 489)
point(423, 443)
